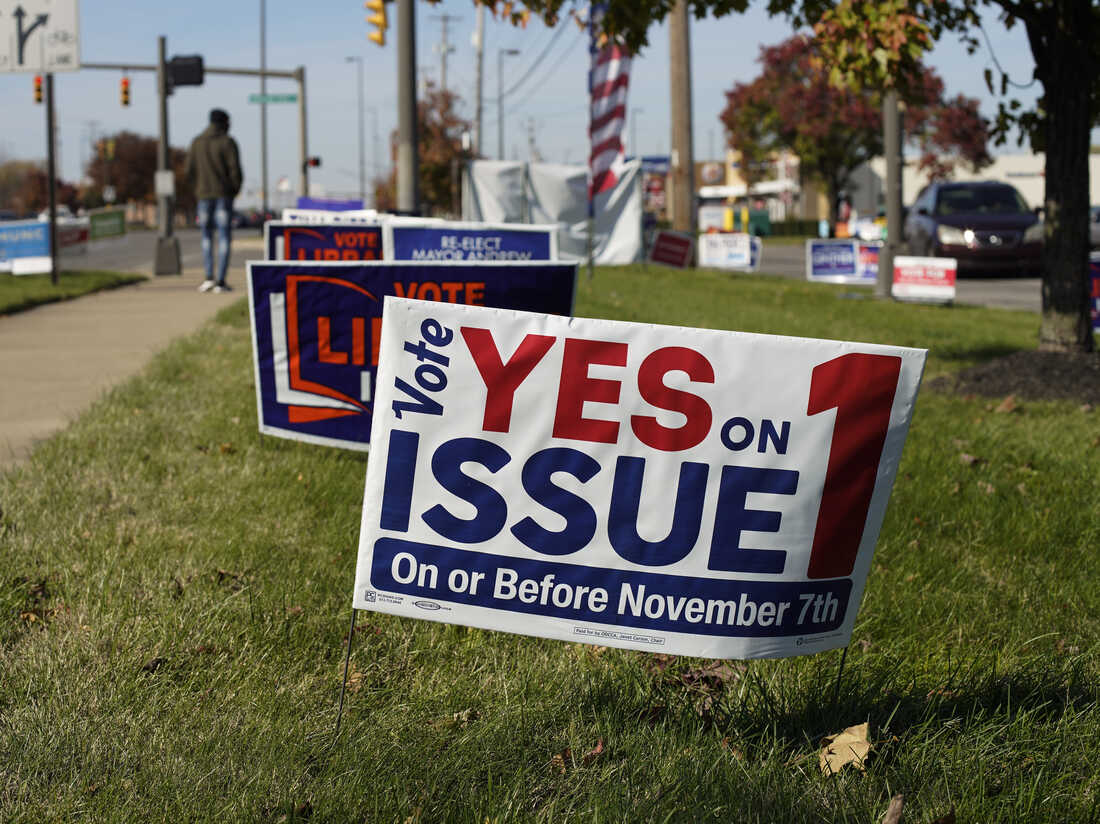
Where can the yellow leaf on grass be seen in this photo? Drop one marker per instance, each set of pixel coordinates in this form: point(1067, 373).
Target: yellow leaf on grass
point(848, 747)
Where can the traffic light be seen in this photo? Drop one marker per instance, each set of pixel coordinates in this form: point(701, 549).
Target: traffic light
point(313, 161)
point(378, 20)
point(38, 88)
point(124, 91)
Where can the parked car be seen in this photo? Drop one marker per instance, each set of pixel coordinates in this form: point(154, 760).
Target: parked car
point(1094, 227)
point(8, 214)
point(985, 225)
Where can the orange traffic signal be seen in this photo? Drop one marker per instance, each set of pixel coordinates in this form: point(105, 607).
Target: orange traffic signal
point(38, 88)
point(124, 91)
point(378, 20)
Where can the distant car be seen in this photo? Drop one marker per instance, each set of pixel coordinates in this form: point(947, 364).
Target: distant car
point(8, 214)
point(1094, 227)
point(985, 225)
point(61, 210)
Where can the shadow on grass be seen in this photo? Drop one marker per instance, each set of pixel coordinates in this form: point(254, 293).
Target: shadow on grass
point(898, 703)
point(978, 353)
point(791, 709)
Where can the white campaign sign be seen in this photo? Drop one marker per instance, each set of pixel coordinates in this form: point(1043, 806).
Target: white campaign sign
point(725, 250)
point(928, 279)
point(658, 488)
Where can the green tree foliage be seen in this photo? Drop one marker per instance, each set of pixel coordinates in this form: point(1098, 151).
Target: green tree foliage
point(792, 105)
point(1065, 42)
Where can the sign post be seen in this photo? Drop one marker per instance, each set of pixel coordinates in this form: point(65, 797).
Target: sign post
point(42, 37)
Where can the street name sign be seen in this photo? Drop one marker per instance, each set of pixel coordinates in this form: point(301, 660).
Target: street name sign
point(273, 98)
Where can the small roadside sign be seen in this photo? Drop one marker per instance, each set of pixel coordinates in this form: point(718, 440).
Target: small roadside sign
point(672, 249)
point(164, 183)
point(928, 279)
point(39, 36)
point(273, 98)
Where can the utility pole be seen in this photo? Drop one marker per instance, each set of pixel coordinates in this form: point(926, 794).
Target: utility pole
point(376, 143)
point(532, 150)
point(263, 108)
point(682, 171)
point(167, 259)
point(408, 164)
point(362, 163)
point(500, 98)
point(444, 47)
point(891, 139)
point(479, 47)
point(51, 177)
point(303, 150)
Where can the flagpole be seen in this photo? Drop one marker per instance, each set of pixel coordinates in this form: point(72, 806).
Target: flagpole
point(591, 199)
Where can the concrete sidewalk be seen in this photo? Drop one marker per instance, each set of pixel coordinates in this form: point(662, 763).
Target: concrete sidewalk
point(55, 360)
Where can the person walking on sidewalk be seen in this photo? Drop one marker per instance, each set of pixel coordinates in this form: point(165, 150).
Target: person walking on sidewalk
point(214, 167)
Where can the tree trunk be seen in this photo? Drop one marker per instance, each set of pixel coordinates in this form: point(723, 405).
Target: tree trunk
point(1060, 41)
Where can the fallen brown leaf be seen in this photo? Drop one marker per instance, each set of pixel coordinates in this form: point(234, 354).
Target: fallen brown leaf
point(732, 750)
point(971, 460)
point(1007, 405)
point(227, 449)
point(986, 487)
point(593, 753)
point(893, 812)
point(949, 818)
point(355, 681)
point(296, 610)
point(561, 761)
point(848, 747)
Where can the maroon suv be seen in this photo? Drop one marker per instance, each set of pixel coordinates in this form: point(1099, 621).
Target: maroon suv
point(986, 226)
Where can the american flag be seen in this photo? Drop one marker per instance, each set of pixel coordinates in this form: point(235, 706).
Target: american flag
point(608, 76)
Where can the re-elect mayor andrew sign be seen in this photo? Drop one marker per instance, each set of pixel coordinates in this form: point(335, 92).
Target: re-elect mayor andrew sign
point(316, 329)
point(659, 488)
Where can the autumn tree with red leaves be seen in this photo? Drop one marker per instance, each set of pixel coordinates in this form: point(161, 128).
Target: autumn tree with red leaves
point(130, 167)
point(439, 145)
point(793, 106)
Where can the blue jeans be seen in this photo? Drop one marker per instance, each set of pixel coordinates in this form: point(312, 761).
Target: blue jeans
point(215, 212)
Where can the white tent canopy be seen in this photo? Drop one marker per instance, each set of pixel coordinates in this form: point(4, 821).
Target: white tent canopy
point(512, 192)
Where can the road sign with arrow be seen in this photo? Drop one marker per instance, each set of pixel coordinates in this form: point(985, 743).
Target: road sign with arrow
point(38, 36)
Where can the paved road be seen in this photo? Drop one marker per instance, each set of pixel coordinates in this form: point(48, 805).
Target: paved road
point(1003, 293)
point(59, 358)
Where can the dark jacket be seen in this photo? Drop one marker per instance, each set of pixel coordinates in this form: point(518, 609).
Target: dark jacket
point(214, 164)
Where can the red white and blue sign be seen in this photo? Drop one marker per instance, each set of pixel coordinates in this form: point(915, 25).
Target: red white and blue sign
point(842, 261)
point(924, 279)
point(316, 329)
point(294, 240)
point(454, 241)
point(659, 488)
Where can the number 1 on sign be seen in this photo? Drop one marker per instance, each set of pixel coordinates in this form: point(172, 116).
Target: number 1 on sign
point(861, 388)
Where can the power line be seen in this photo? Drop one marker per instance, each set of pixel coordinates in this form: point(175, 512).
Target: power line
point(542, 55)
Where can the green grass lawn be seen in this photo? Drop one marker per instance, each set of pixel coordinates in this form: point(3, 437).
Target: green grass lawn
point(25, 291)
point(175, 592)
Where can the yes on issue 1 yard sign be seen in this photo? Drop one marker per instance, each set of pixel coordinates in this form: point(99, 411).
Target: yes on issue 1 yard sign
point(658, 488)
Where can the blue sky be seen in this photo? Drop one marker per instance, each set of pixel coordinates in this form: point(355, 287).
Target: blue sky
point(549, 104)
